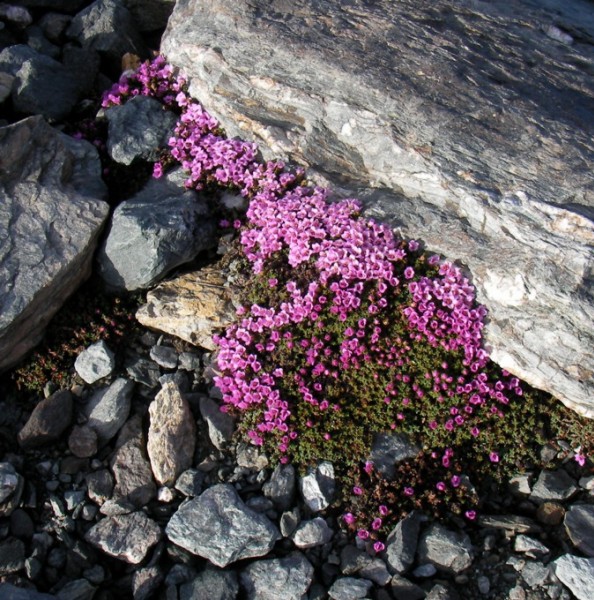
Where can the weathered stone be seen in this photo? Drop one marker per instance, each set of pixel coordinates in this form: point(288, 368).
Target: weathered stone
point(192, 307)
point(577, 574)
point(349, 588)
point(16, 15)
point(50, 219)
point(309, 534)
point(401, 544)
point(84, 64)
point(288, 578)
point(529, 546)
point(447, 550)
point(171, 435)
point(221, 425)
point(221, 528)
point(160, 228)
point(211, 584)
point(150, 15)
point(36, 39)
point(289, 521)
point(100, 486)
point(82, 441)
point(250, 457)
point(579, 524)
point(138, 129)
point(281, 486)
point(377, 572)
point(318, 487)
point(534, 573)
point(132, 469)
point(108, 409)
point(550, 513)
point(143, 371)
point(164, 356)
point(145, 582)
point(107, 27)
point(95, 362)
point(48, 421)
point(515, 523)
point(444, 136)
point(442, 592)
point(189, 483)
point(388, 449)
point(127, 537)
point(553, 485)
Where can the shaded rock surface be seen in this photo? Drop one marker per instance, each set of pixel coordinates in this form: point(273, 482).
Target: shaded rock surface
point(51, 214)
point(481, 149)
point(108, 408)
point(50, 418)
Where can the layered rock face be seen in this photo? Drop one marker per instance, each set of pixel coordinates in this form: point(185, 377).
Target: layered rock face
point(467, 126)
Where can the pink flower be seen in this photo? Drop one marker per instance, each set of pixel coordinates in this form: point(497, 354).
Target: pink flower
point(376, 524)
point(470, 515)
point(383, 510)
point(379, 547)
point(348, 518)
point(363, 534)
point(357, 490)
point(455, 481)
point(408, 491)
point(580, 459)
point(494, 457)
point(441, 486)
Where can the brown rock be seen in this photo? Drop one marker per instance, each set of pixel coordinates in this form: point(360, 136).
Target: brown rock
point(550, 513)
point(171, 436)
point(48, 421)
point(191, 307)
point(83, 441)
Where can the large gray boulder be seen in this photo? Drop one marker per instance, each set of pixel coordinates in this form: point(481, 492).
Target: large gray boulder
point(51, 215)
point(468, 125)
point(160, 228)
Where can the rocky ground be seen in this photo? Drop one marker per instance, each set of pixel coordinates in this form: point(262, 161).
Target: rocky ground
point(130, 483)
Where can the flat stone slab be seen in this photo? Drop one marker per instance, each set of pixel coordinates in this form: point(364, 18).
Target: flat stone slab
point(467, 124)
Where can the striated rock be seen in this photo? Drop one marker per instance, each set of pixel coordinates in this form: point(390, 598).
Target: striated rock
point(221, 528)
point(579, 524)
point(288, 578)
point(127, 537)
point(50, 219)
point(48, 421)
point(577, 574)
point(108, 409)
point(138, 129)
point(171, 436)
point(447, 550)
point(482, 149)
point(211, 584)
point(318, 487)
point(95, 362)
point(192, 307)
point(160, 228)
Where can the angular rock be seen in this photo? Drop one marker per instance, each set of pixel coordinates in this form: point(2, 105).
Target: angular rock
point(289, 521)
point(577, 574)
point(100, 485)
point(534, 573)
point(53, 25)
point(309, 534)
point(13, 58)
point(127, 537)
point(221, 426)
point(377, 572)
point(138, 129)
point(318, 487)
point(530, 546)
point(349, 588)
point(9, 481)
point(51, 215)
point(145, 582)
point(48, 421)
point(442, 135)
point(281, 486)
point(95, 362)
point(160, 228)
point(192, 307)
point(515, 523)
point(164, 356)
point(107, 27)
point(132, 469)
point(288, 578)
point(579, 524)
point(211, 584)
point(108, 409)
point(405, 589)
point(553, 485)
point(442, 592)
point(221, 528)
point(171, 435)
point(447, 550)
point(401, 545)
point(83, 441)
point(388, 449)
point(150, 15)
point(353, 560)
point(36, 39)
point(143, 371)
point(189, 483)
point(79, 589)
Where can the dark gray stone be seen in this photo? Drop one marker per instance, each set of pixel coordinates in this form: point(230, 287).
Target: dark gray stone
point(53, 25)
point(107, 27)
point(289, 521)
point(95, 362)
point(288, 578)
point(388, 449)
point(138, 129)
point(83, 441)
point(50, 219)
point(13, 57)
point(281, 486)
point(48, 421)
point(108, 409)
point(150, 15)
point(403, 589)
point(462, 123)
point(577, 574)
point(15, 15)
point(162, 227)
point(314, 532)
point(318, 487)
point(164, 356)
point(127, 537)
point(445, 549)
point(11, 592)
point(349, 588)
point(36, 39)
point(534, 573)
point(553, 485)
point(401, 545)
point(12, 556)
point(143, 371)
point(84, 64)
point(145, 582)
point(221, 426)
point(9, 481)
point(67, 6)
point(579, 524)
point(442, 592)
point(221, 528)
point(189, 483)
point(79, 589)
point(211, 584)
point(352, 560)
point(377, 572)
point(100, 485)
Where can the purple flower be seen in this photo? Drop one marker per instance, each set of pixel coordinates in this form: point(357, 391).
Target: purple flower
point(376, 524)
point(348, 518)
point(494, 457)
point(379, 547)
point(363, 534)
point(357, 490)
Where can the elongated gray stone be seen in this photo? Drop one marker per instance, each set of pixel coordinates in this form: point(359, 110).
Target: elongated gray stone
point(218, 526)
point(401, 544)
point(108, 408)
point(442, 119)
point(579, 524)
point(51, 214)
